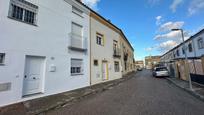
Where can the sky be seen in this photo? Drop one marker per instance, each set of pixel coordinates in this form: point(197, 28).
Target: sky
point(148, 23)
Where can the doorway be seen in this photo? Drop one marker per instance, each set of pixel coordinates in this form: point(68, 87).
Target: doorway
point(105, 70)
point(33, 75)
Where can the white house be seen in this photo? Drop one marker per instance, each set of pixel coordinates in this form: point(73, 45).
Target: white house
point(44, 48)
point(195, 54)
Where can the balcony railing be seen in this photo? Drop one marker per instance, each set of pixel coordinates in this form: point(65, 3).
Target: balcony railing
point(78, 43)
point(117, 53)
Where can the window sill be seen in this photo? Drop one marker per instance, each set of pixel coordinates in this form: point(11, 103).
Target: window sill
point(77, 74)
point(22, 21)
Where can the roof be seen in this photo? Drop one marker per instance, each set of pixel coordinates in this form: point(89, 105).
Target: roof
point(201, 31)
point(107, 22)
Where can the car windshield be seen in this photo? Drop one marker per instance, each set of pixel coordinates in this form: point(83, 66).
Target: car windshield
point(161, 69)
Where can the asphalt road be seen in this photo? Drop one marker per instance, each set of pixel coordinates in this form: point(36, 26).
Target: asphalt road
point(141, 95)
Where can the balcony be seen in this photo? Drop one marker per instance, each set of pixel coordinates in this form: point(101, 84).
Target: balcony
point(117, 53)
point(78, 43)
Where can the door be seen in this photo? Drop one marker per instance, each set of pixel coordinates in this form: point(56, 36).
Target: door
point(33, 75)
point(105, 70)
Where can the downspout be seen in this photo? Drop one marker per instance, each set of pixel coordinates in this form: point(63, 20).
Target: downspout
point(90, 46)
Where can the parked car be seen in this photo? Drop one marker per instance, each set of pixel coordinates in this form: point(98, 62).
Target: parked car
point(139, 69)
point(160, 72)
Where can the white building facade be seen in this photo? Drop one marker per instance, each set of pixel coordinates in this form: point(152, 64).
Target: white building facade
point(44, 48)
point(194, 48)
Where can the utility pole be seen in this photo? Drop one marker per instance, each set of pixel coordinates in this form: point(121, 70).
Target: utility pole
point(186, 58)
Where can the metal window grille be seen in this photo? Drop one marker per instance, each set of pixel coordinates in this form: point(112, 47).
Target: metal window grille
point(23, 11)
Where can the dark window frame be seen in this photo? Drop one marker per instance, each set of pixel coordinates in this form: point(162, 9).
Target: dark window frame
point(2, 58)
point(95, 62)
point(100, 39)
point(190, 47)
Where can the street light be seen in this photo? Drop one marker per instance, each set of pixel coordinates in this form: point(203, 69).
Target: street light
point(186, 59)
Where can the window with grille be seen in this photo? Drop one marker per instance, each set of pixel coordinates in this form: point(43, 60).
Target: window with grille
point(23, 11)
point(100, 39)
point(76, 67)
point(117, 66)
point(2, 58)
point(200, 43)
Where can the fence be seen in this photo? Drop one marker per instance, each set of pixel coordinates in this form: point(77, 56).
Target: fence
point(195, 69)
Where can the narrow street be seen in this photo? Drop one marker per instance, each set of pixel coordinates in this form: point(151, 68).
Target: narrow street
point(141, 95)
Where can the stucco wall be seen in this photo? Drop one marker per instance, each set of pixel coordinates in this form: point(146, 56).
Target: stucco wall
point(125, 47)
point(50, 38)
point(101, 53)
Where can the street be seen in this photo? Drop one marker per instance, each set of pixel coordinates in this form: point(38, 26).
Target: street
point(141, 95)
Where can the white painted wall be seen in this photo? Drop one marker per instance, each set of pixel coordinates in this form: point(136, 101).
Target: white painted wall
point(196, 51)
point(50, 38)
point(199, 52)
point(103, 52)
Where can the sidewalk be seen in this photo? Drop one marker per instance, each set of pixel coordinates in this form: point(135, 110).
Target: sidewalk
point(198, 90)
point(41, 105)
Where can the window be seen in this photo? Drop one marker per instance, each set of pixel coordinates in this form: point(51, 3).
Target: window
point(76, 66)
point(95, 62)
point(200, 43)
point(190, 48)
point(77, 30)
point(117, 66)
point(183, 50)
point(77, 11)
point(23, 11)
point(2, 58)
point(100, 39)
point(115, 45)
point(177, 52)
point(76, 39)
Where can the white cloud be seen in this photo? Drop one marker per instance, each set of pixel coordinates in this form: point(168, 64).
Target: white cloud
point(170, 35)
point(164, 46)
point(167, 45)
point(175, 4)
point(171, 25)
point(158, 20)
point(175, 35)
point(195, 6)
point(91, 3)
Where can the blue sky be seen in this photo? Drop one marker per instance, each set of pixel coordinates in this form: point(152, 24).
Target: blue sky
point(147, 23)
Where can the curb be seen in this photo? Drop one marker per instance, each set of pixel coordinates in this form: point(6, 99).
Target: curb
point(193, 93)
